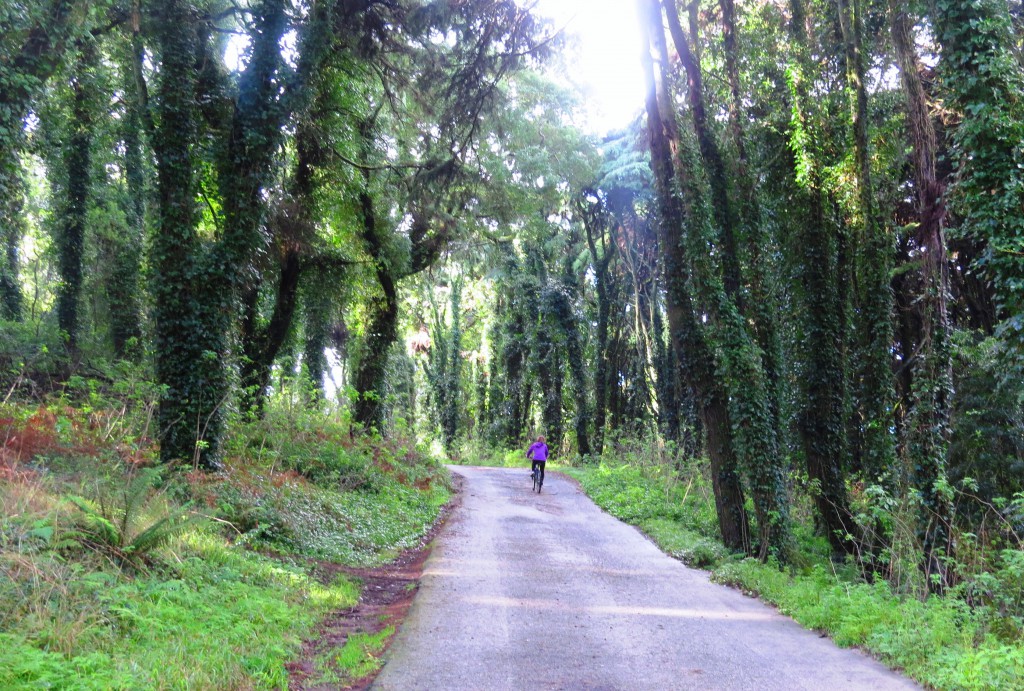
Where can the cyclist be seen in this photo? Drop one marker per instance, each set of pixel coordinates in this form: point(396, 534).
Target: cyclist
point(538, 454)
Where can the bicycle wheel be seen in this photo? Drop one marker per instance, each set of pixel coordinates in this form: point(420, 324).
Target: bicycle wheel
point(538, 479)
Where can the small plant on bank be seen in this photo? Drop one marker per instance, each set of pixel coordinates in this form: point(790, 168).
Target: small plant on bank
point(127, 523)
point(358, 658)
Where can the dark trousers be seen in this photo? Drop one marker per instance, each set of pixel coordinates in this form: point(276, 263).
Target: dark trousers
point(539, 465)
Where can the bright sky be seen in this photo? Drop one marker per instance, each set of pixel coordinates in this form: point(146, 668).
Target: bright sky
point(608, 65)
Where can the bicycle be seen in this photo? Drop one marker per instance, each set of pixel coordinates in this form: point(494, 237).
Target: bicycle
point(538, 476)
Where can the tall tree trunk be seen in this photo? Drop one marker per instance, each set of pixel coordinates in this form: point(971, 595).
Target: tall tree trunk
point(872, 264)
point(183, 366)
point(22, 73)
point(595, 224)
point(12, 229)
point(382, 327)
point(928, 424)
point(763, 303)
point(195, 291)
point(124, 285)
point(317, 330)
point(711, 155)
point(78, 168)
point(244, 175)
point(984, 83)
point(444, 374)
point(261, 343)
point(254, 140)
point(688, 342)
point(516, 397)
point(480, 388)
point(574, 355)
point(821, 416)
point(550, 369)
point(672, 408)
point(755, 438)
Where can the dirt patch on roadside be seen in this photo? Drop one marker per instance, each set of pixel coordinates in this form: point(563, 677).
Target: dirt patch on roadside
point(386, 595)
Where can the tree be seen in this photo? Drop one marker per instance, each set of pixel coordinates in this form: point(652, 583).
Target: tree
point(445, 365)
point(819, 270)
point(983, 81)
point(872, 264)
point(77, 166)
point(689, 343)
point(31, 49)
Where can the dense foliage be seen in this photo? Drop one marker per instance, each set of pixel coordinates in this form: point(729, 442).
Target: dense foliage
point(799, 268)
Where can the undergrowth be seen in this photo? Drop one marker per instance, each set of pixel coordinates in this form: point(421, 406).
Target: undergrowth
point(114, 575)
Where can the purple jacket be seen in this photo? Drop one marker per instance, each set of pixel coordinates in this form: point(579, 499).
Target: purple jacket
point(538, 451)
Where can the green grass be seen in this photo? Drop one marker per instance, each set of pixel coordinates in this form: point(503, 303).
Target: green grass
point(361, 654)
point(939, 641)
point(218, 617)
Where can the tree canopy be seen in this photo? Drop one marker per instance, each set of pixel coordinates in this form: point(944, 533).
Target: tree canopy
point(801, 264)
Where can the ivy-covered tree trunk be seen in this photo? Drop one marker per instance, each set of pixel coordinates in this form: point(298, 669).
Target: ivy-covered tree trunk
point(931, 389)
point(711, 156)
point(515, 354)
point(549, 367)
point(22, 73)
point(984, 83)
point(181, 360)
point(754, 435)
point(12, 229)
point(261, 343)
point(872, 262)
point(77, 156)
point(317, 323)
point(495, 379)
point(444, 373)
point(982, 77)
point(640, 262)
point(561, 307)
point(517, 311)
point(123, 286)
point(382, 324)
point(688, 342)
point(595, 222)
point(481, 388)
point(763, 303)
point(453, 384)
point(821, 408)
point(196, 286)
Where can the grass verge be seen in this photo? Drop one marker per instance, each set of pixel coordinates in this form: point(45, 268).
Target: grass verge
point(941, 642)
point(199, 580)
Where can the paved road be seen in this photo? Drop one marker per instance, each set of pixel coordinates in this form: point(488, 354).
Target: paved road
point(547, 592)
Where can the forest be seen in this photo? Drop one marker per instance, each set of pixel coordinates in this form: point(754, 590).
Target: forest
point(269, 263)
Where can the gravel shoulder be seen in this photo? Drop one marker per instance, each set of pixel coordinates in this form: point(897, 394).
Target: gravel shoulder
point(527, 591)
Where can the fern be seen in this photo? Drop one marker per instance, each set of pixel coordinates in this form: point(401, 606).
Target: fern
point(94, 524)
point(115, 522)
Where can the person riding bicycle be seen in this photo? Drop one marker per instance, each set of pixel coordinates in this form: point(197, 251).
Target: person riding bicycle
point(538, 454)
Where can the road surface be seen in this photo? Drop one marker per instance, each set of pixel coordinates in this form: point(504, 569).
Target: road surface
point(527, 591)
